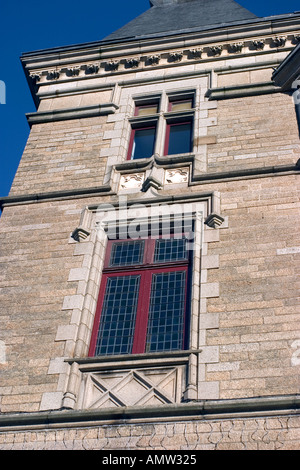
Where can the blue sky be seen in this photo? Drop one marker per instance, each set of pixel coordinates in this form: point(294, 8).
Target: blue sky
point(33, 24)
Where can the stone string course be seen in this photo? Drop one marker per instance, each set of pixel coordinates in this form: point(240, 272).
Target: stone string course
point(273, 433)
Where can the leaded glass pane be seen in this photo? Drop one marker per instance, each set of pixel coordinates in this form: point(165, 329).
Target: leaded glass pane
point(127, 253)
point(170, 249)
point(166, 313)
point(118, 316)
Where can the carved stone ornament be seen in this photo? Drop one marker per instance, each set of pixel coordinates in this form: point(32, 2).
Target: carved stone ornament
point(259, 44)
point(73, 71)
point(153, 60)
point(142, 387)
point(36, 77)
point(132, 63)
point(80, 234)
point(176, 176)
point(53, 75)
point(195, 53)
point(91, 69)
point(235, 48)
point(216, 50)
point(214, 220)
point(84, 228)
point(175, 56)
point(279, 41)
point(133, 181)
point(112, 65)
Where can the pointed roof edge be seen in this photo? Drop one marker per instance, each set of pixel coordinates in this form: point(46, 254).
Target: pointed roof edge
point(107, 42)
point(165, 16)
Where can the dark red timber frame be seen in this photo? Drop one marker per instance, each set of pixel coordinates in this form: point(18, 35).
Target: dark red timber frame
point(146, 270)
point(178, 101)
point(178, 121)
point(140, 127)
point(168, 129)
point(132, 137)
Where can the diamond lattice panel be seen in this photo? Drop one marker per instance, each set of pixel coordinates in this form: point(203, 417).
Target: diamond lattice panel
point(142, 387)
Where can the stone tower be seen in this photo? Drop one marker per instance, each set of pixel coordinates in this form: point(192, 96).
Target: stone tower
point(149, 289)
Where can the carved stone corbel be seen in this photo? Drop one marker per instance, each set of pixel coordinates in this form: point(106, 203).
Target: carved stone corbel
point(259, 44)
point(195, 53)
point(175, 56)
point(214, 220)
point(53, 75)
point(235, 48)
point(152, 60)
point(84, 229)
point(216, 50)
point(132, 63)
point(279, 41)
point(72, 71)
point(35, 77)
point(297, 38)
point(91, 69)
point(112, 65)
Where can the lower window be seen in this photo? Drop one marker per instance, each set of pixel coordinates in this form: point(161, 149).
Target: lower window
point(178, 138)
point(142, 304)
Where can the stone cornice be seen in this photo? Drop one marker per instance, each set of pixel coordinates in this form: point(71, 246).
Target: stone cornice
point(71, 113)
point(202, 409)
point(53, 71)
point(239, 91)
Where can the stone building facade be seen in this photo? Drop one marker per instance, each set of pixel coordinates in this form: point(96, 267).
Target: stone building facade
point(185, 120)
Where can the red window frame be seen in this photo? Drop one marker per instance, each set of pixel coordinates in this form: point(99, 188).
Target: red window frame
point(132, 136)
point(168, 130)
point(177, 101)
point(146, 271)
point(143, 106)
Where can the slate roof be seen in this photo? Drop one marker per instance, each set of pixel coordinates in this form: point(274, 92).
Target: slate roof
point(166, 16)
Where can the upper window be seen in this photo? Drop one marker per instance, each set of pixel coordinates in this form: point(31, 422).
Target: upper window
point(146, 127)
point(180, 104)
point(142, 304)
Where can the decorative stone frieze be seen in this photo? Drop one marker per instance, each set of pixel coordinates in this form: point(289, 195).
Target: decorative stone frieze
point(195, 53)
point(278, 41)
point(177, 175)
point(153, 59)
point(72, 71)
point(175, 56)
point(132, 181)
point(133, 62)
point(36, 77)
point(112, 65)
point(259, 44)
point(216, 50)
point(139, 387)
point(235, 48)
point(91, 69)
point(53, 75)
